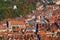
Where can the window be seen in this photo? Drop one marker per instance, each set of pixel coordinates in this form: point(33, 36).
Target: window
point(14, 31)
point(0, 38)
point(13, 27)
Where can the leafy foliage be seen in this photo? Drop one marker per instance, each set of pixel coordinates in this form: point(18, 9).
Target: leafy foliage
point(23, 8)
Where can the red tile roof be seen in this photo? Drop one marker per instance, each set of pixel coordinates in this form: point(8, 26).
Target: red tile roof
point(52, 7)
point(14, 22)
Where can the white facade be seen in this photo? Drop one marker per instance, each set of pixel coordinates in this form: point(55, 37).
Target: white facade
point(58, 3)
point(16, 25)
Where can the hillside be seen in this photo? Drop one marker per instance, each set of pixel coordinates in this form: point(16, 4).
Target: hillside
point(23, 7)
point(15, 8)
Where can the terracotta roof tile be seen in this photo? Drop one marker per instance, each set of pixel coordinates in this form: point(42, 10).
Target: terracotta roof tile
point(14, 22)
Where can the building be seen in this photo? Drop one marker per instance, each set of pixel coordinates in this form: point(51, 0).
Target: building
point(16, 23)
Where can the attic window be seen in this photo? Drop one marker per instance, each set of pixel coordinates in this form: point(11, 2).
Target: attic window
point(17, 27)
point(14, 27)
point(14, 31)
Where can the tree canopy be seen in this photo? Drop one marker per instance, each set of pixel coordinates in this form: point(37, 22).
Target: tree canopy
point(23, 7)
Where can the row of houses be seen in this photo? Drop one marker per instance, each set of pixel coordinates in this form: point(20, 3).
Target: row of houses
point(34, 26)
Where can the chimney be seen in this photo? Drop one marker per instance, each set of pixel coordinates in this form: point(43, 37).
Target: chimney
point(36, 27)
point(7, 23)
